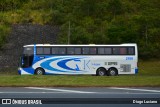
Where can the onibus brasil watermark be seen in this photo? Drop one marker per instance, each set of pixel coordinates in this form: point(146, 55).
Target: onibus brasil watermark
point(19, 101)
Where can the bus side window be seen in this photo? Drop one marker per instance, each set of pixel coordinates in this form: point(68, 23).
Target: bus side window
point(62, 51)
point(77, 51)
point(108, 51)
point(47, 51)
point(131, 51)
point(39, 50)
point(85, 51)
point(123, 51)
point(101, 51)
point(93, 51)
point(54, 51)
point(70, 51)
point(115, 51)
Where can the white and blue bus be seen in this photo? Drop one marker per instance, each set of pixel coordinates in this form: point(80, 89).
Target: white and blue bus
point(92, 59)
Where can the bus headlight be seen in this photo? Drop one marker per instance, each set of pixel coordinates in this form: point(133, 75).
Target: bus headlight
point(19, 68)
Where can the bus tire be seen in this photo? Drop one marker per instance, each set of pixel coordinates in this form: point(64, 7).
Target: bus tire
point(112, 72)
point(39, 71)
point(101, 72)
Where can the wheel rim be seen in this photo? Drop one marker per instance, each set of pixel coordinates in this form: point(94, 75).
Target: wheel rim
point(112, 72)
point(39, 72)
point(101, 73)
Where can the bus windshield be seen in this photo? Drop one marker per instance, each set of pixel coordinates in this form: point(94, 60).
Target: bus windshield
point(28, 51)
point(27, 57)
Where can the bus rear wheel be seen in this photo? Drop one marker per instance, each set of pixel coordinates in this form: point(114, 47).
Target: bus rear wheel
point(101, 71)
point(112, 72)
point(39, 71)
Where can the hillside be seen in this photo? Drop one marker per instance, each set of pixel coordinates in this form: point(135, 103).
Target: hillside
point(91, 21)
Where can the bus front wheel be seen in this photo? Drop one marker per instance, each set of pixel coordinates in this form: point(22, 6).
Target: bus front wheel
point(112, 72)
point(39, 71)
point(101, 71)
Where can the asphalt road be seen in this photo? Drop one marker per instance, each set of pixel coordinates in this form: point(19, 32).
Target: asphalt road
point(96, 96)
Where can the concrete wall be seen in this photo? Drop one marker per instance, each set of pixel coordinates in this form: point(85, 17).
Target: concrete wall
point(24, 35)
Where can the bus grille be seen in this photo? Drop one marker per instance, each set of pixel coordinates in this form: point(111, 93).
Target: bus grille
point(125, 67)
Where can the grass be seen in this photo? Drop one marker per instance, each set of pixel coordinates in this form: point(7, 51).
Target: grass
point(149, 76)
point(76, 81)
point(149, 68)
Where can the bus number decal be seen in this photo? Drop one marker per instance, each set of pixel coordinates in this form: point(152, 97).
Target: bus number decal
point(129, 58)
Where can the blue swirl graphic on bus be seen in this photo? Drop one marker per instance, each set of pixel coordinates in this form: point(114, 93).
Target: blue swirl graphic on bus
point(46, 65)
point(63, 64)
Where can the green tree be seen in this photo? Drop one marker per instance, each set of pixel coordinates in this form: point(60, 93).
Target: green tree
point(115, 7)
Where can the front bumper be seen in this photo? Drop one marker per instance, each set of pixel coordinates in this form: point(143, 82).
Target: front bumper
point(22, 71)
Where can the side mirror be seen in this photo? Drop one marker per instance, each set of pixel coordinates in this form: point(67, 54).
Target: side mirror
point(20, 63)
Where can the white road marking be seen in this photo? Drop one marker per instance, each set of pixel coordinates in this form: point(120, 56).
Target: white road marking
point(29, 92)
point(132, 89)
point(9, 92)
point(61, 90)
point(44, 92)
point(124, 93)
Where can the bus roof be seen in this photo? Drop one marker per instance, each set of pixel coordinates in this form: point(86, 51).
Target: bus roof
point(126, 44)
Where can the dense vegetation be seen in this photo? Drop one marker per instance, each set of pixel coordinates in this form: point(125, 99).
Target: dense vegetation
point(91, 21)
